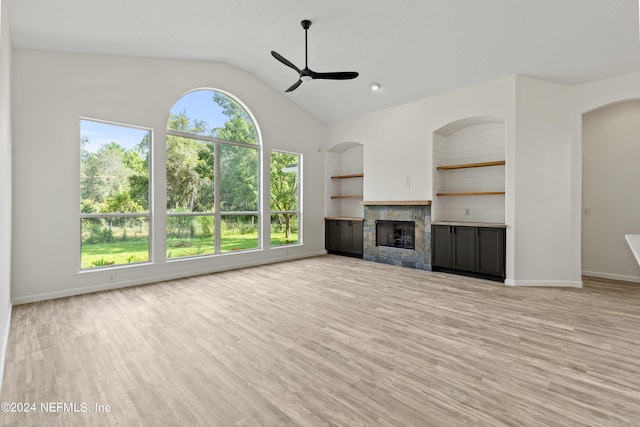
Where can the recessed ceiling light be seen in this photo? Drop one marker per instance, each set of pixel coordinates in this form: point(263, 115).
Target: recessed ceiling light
point(375, 86)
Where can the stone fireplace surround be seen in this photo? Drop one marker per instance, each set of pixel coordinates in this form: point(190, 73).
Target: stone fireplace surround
point(418, 211)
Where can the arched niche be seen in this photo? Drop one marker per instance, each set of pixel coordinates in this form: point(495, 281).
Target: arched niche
point(469, 170)
point(344, 166)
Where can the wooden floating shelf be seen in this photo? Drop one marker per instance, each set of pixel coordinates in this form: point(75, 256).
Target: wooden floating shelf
point(472, 193)
point(397, 202)
point(346, 197)
point(353, 175)
point(472, 165)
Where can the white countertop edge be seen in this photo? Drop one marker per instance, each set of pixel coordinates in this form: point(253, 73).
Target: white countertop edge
point(470, 224)
point(634, 244)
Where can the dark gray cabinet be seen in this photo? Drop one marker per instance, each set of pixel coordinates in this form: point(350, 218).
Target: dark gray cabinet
point(472, 250)
point(441, 246)
point(464, 249)
point(344, 237)
point(490, 247)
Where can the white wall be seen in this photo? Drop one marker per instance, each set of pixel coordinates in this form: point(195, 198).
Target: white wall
point(5, 182)
point(542, 191)
point(52, 90)
point(610, 190)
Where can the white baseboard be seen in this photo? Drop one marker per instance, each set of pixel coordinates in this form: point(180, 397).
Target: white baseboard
point(5, 342)
point(634, 279)
point(156, 278)
point(544, 283)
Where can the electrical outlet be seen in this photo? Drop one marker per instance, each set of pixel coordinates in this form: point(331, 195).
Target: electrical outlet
point(587, 211)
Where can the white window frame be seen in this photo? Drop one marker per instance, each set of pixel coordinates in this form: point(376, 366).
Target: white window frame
point(217, 214)
point(148, 214)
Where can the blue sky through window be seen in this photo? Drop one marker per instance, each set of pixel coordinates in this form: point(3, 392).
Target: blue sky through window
point(199, 105)
point(100, 134)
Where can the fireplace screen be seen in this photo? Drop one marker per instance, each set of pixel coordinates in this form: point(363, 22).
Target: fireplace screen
point(396, 234)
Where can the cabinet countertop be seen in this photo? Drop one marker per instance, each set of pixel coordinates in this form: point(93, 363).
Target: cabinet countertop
point(471, 224)
point(343, 218)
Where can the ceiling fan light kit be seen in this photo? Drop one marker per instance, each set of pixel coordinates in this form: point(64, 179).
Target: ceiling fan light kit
point(306, 74)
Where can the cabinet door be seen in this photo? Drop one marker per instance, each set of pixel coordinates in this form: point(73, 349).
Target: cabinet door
point(344, 236)
point(464, 248)
point(356, 237)
point(331, 241)
point(441, 248)
point(490, 249)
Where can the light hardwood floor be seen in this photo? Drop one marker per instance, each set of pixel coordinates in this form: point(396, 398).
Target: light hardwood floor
point(330, 341)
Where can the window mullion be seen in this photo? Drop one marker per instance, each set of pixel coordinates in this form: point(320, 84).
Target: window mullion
point(216, 199)
point(210, 139)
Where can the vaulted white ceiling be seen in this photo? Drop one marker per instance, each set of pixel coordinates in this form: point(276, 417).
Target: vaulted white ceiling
point(414, 48)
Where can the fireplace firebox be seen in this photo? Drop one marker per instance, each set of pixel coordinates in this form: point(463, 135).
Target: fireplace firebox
point(396, 234)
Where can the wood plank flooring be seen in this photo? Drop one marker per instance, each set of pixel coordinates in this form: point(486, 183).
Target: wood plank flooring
point(330, 341)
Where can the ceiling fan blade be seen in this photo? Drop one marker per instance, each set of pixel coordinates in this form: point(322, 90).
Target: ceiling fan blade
point(294, 86)
point(338, 75)
point(284, 60)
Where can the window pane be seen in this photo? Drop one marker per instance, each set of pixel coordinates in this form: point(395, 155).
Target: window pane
point(238, 179)
point(239, 232)
point(114, 241)
point(114, 168)
point(190, 174)
point(114, 178)
point(210, 113)
point(190, 236)
point(285, 169)
point(284, 229)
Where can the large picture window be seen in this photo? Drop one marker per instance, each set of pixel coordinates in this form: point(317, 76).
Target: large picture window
point(213, 186)
point(114, 191)
point(285, 198)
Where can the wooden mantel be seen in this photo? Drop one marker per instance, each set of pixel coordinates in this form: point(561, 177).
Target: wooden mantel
point(397, 202)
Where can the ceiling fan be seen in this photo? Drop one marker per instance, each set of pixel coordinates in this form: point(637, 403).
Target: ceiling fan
point(306, 74)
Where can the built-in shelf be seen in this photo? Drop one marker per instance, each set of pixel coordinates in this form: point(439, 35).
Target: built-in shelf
point(472, 165)
point(347, 197)
point(353, 175)
point(469, 170)
point(472, 193)
point(344, 180)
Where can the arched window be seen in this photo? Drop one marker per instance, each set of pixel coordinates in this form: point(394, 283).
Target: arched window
point(213, 179)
